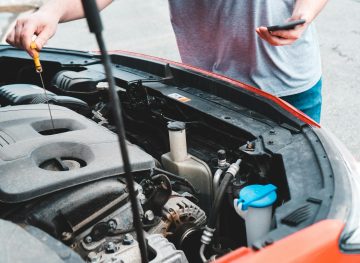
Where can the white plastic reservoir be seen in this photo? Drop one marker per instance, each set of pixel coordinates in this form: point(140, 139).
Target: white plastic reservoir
point(255, 207)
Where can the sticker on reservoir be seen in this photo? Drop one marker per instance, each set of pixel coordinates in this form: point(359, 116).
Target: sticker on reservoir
point(179, 97)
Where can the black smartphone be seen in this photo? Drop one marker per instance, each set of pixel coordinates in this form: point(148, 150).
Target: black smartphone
point(287, 26)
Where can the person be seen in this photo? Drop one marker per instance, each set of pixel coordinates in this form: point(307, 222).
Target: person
point(228, 37)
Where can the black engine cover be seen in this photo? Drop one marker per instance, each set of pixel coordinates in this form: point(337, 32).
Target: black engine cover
point(23, 94)
point(75, 83)
point(75, 209)
point(36, 160)
point(32, 245)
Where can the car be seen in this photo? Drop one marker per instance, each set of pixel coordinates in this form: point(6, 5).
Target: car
point(223, 171)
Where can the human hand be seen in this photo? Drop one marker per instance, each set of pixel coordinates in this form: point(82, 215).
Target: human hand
point(282, 37)
point(41, 24)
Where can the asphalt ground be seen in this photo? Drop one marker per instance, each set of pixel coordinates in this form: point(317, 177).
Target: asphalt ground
point(144, 26)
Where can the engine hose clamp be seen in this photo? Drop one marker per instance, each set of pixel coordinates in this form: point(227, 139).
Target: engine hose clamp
point(207, 235)
point(222, 163)
point(234, 168)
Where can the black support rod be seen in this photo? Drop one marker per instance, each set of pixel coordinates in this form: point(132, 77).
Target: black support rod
point(94, 21)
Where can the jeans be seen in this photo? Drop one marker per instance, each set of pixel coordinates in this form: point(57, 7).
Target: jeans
point(309, 101)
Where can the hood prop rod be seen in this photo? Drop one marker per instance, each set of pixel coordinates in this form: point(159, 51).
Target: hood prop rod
point(94, 21)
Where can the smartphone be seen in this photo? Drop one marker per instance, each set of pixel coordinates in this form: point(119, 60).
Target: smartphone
point(287, 26)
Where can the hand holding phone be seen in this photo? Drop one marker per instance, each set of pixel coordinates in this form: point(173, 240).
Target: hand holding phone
point(284, 34)
point(287, 26)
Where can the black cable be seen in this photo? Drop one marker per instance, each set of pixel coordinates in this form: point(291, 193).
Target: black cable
point(178, 178)
point(218, 200)
point(210, 228)
point(95, 25)
point(211, 225)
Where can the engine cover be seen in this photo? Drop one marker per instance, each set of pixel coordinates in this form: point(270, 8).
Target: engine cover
point(34, 246)
point(24, 94)
point(36, 160)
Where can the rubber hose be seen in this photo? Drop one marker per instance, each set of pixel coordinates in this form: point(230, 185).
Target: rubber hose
point(218, 200)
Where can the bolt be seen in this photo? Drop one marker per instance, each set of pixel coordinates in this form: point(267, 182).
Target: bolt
point(112, 224)
point(149, 216)
point(142, 198)
point(110, 247)
point(88, 239)
point(128, 239)
point(250, 146)
point(221, 154)
point(93, 257)
point(65, 235)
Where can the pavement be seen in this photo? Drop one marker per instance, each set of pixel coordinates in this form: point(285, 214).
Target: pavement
point(144, 26)
point(339, 35)
point(133, 25)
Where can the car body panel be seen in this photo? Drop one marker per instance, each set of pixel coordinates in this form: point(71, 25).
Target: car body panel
point(317, 243)
point(285, 105)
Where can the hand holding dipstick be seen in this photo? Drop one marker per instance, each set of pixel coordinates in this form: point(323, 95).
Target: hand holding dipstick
point(39, 69)
point(36, 57)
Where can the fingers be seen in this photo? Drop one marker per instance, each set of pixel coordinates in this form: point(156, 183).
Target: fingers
point(290, 34)
point(18, 29)
point(43, 37)
point(14, 40)
point(20, 36)
point(26, 37)
point(43, 26)
point(272, 39)
point(10, 39)
point(281, 37)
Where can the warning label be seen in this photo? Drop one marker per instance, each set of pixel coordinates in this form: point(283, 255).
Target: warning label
point(179, 97)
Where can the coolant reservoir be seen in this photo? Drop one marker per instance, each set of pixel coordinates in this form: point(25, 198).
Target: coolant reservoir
point(178, 161)
point(255, 207)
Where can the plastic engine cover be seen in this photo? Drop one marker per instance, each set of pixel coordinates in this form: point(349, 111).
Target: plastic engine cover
point(32, 245)
point(23, 94)
point(78, 82)
point(20, 94)
point(36, 160)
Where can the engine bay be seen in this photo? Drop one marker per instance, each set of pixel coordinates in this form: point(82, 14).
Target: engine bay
point(189, 136)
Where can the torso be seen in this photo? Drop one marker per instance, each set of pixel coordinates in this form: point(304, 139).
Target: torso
point(220, 36)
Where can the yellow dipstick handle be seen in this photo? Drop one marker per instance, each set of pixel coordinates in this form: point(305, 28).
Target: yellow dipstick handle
point(36, 57)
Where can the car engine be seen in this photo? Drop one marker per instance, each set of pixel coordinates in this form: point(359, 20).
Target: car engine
point(65, 185)
point(62, 184)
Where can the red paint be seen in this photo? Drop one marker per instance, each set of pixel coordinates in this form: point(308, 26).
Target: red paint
point(315, 244)
point(286, 106)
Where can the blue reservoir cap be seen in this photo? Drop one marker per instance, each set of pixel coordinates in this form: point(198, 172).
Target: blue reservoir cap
point(257, 195)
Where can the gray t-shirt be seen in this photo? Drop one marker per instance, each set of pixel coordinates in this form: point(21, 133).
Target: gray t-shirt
point(219, 36)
